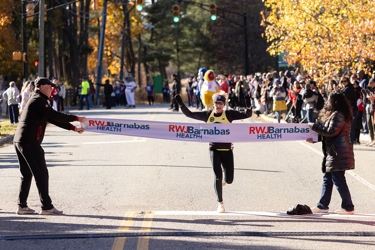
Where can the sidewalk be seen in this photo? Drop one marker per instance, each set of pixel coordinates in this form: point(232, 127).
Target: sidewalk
point(363, 137)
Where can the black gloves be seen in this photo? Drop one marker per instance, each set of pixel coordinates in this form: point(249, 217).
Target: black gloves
point(179, 100)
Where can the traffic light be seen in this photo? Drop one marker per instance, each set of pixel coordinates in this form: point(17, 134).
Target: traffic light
point(139, 5)
point(176, 13)
point(36, 63)
point(213, 12)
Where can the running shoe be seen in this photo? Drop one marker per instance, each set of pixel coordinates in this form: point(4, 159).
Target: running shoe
point(52, 211)
point(25, 210)
point(317, 210)
point(344, 211)
point(220, 207)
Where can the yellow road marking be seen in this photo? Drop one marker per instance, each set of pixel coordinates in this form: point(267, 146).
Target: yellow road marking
point(143, 242)
point(126, 223)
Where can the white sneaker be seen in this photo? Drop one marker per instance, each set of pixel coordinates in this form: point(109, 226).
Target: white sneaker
point(52, 211)
point(317, 210)
point(343, 211)
point(25, 210)
point(223, 183)
point(220, 207)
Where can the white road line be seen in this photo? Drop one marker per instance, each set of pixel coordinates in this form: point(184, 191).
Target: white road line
point(351, 172)
point(254, 213)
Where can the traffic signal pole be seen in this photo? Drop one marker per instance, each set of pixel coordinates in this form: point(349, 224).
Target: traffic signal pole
point(100, 51)
point(222, 15)
point(24, 41)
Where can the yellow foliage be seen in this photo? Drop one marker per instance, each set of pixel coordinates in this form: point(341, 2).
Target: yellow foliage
point(320, 32)
point(113, 35)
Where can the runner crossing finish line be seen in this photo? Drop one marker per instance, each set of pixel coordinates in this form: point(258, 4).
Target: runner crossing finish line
point(196, 132)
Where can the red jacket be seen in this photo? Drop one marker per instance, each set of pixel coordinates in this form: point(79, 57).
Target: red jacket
point(224, 86)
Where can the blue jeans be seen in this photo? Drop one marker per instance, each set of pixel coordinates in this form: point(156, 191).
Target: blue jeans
point(337, 178)
point(310, 115)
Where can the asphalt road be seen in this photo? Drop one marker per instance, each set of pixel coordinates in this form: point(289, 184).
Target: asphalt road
point(121, 192)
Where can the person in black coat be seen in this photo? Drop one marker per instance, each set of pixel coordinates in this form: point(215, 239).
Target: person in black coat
point(27, 142)
point(176, 90)
point(108, 89)
point(338, 152)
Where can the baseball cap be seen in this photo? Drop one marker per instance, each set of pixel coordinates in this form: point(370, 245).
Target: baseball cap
point(219, 98)
point(43, 81)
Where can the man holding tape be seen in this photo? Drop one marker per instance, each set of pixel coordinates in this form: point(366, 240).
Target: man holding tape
point(221, 154)
point(27, 142)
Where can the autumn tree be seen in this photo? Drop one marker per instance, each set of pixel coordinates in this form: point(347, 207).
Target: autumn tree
point(10, 37)
point(324, 36)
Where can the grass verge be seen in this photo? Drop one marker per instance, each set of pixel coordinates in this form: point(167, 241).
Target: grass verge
point(7, 129)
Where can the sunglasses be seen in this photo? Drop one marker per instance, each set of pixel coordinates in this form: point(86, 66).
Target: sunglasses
point(219, 103)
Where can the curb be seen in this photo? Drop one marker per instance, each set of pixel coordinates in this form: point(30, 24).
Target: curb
point(6, 139)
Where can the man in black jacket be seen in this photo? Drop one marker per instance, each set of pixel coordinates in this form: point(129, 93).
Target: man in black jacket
point(176, 90)
point(27, 142)
point(108, 89)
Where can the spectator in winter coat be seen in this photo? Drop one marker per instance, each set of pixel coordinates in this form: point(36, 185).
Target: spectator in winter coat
point(338, 152)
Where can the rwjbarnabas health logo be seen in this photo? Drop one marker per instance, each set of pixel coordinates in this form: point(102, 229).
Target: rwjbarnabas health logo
point(270, 132)
point(192, 132)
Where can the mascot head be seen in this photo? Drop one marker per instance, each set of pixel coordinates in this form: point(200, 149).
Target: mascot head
point(201, 72)
point(209, 76)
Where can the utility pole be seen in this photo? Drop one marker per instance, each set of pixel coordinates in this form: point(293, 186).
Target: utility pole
point(246, 44)
point(24, 40)
point(100, 51)
point(41, 39)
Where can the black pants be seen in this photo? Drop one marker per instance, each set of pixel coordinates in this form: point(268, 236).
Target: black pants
point(225, 159)
point(81, 101)
point(199, 102)
point(150, 99)
point(32, 163)
point(61, 107)
point(108, 101)
point(174, 104)
point(13, 113)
